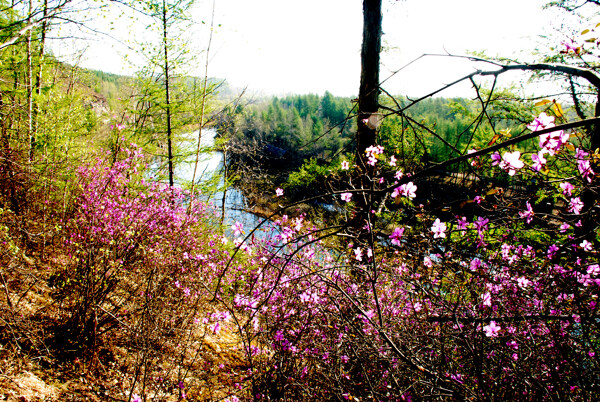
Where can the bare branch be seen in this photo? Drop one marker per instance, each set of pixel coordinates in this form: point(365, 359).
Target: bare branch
point(33, 24)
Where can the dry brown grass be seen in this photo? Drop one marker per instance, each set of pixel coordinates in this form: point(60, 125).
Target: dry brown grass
point(36, 364)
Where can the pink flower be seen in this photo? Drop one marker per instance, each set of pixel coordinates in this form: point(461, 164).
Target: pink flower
point(462, 224)
point(538, 160)
point(457, 377)
point(238, 228)
point(586, 170)
point(475, 264)
point(492, 329)
point(496, 158)
point(396, 236)
point(523, 282)
point(580, 153)
point(345, 165)
point(486, 299)
point(481, 223)
point(570, 47)
point(279, 192)
point(511, 162)
point(552, 251)
point(575, 205)
point(346, 196)
point(586, 245)
point(583, 165)
point(438, 229)
point(541, 122)
point(552, 142)
point(358, 254)
point(392, 160)
point(528, 214)
point(408, 190)
point(372, 153)
point(567, 188)
point(474, 161)
point(427, 262)
point(593, 270)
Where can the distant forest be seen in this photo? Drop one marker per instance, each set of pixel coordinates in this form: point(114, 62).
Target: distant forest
point(299, 138)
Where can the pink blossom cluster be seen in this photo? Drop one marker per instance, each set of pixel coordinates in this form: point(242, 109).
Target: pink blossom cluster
point(509, 161)
point(407, 190)
point(373, 153)
point(126, 231)
point(493, 284)
point(483, 303)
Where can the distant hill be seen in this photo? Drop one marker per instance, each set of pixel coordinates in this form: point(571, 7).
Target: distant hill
point(114, 86)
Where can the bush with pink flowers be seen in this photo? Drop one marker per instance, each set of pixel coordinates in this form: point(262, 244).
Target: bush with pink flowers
point(497, 303)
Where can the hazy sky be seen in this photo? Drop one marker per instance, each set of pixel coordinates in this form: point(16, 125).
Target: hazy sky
point(313, 45)
point(309, 46)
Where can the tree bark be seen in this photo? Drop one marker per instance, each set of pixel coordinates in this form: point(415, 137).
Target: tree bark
point(30, 133)
point(167, 97)
point(368, 106)
point(39, 77)
point(368, 95)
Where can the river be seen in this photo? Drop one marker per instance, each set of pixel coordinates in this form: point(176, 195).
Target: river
point(210, 170)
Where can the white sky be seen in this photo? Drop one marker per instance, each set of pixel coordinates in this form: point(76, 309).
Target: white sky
point(310, 46)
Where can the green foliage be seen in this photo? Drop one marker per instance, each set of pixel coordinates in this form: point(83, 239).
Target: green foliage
point(111, 87)
point(436, 129)
point(46, 105)
point(314, 130)
point(306, 126)
point(166, 102)
point(309, 180)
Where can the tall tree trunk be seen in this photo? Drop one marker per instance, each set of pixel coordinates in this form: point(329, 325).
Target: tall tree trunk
point(368, 105)
point(39, 75)
point(167, 97)
point(595, 131)
point(368, 95)
point(30, 133)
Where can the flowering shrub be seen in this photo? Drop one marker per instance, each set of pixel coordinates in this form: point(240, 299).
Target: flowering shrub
point(497, 302)
point(491, 297)
point(500, 304)
point(141, 260)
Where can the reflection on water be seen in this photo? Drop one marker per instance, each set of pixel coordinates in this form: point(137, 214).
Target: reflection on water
point(210, 170)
